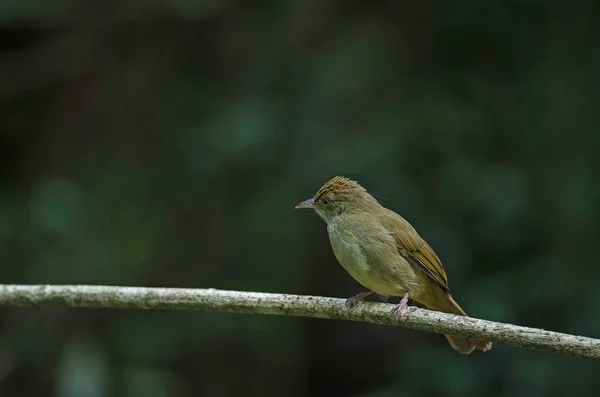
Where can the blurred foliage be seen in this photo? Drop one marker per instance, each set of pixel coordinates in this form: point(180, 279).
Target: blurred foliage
point(165, 143)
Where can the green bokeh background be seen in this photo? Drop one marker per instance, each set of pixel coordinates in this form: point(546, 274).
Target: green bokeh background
point(166, 143)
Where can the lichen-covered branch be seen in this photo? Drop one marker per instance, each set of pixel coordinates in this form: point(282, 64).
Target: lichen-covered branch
point(294, 305)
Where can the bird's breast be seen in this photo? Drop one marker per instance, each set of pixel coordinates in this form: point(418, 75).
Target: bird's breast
point(347, 249)
point(360, 255)
point(348, 252)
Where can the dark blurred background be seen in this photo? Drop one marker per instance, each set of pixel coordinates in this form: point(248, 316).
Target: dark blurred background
point(165, 143)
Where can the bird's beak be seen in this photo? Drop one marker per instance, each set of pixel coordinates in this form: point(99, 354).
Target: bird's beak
point(310, 203)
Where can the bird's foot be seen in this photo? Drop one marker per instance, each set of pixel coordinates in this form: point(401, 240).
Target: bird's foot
point(350, 302)
point(401, 308)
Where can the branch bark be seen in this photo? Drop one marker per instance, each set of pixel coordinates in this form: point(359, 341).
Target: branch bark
point(213, 300)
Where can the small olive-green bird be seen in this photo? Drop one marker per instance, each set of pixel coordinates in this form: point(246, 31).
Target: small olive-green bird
point(384, 253)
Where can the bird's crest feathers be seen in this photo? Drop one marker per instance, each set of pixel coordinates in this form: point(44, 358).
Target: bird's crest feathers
point(339, 185)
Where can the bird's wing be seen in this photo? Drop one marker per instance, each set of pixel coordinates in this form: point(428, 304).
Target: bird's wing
point(412, 247)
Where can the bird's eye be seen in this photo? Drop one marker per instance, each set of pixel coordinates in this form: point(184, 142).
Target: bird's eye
point(326, 201)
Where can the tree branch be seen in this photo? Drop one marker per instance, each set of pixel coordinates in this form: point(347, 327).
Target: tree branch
point(295, 305)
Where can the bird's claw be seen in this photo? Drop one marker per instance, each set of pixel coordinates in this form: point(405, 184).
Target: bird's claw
point(401, 308)
point(352, 301)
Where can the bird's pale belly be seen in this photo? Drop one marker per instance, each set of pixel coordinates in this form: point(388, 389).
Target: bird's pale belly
point(382, 277)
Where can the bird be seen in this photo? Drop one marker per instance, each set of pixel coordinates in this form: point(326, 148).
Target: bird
point(384, 253)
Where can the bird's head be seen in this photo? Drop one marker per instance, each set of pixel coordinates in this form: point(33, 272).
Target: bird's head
point(338, 196)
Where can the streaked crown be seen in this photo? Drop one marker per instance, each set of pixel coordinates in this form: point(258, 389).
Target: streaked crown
point(339, 185)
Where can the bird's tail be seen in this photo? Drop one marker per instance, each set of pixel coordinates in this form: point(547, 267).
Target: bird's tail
point(459, 343)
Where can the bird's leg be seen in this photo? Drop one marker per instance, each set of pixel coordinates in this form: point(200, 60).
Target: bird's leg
point(400, 308)
point(350, 302)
